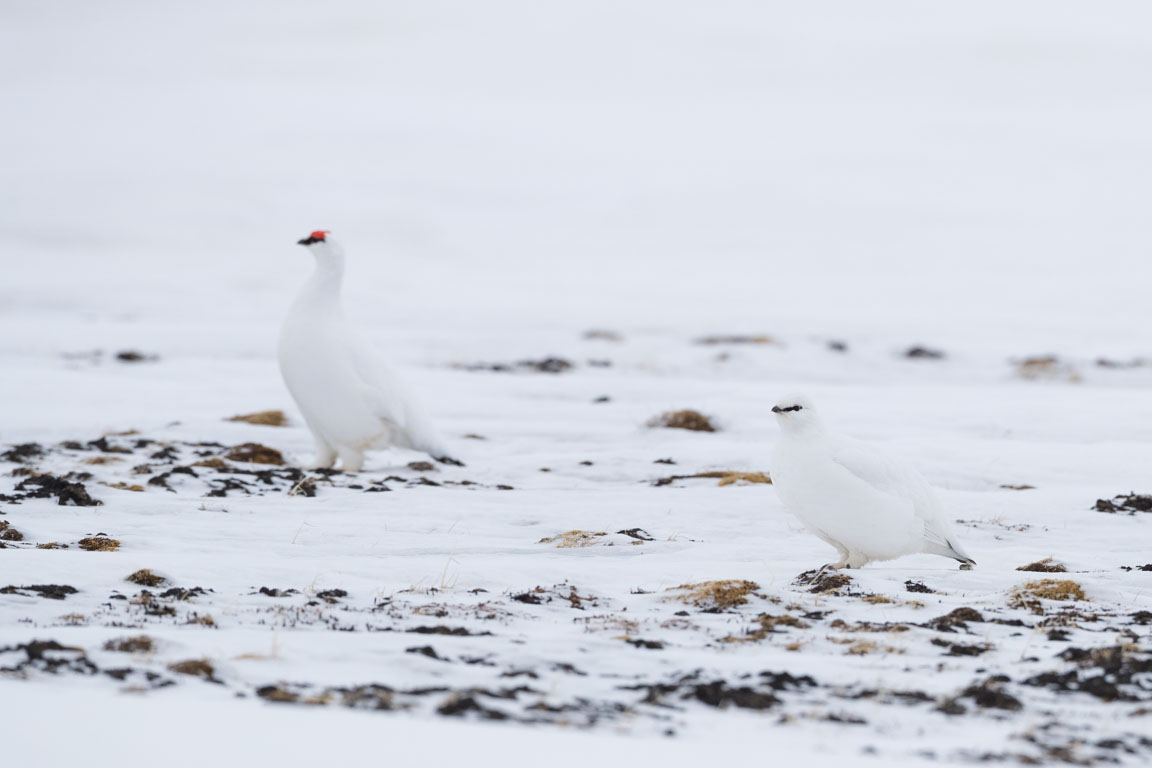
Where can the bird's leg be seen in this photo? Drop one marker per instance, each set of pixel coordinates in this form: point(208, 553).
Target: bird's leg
point(823, 568)
point(843, 562)
point(325, 456)
point(351, 460)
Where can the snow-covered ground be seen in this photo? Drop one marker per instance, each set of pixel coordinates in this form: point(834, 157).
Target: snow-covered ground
point(970, 178)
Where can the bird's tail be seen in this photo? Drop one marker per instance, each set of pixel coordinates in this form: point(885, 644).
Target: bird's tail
point(426, 439)
point(954, 551)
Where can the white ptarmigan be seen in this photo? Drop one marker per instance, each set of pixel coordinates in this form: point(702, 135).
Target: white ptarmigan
point(348, 397)
point(867, 505)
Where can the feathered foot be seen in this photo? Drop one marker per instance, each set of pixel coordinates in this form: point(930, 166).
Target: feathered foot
point(325, 456)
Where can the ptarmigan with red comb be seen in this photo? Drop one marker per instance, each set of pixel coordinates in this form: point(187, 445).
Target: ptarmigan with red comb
point(351, 401)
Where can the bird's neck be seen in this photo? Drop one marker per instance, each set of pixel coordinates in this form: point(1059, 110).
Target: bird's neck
point(810, 430)
point(323, 288)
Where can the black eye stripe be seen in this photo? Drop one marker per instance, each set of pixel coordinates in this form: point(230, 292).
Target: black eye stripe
point(792, 408)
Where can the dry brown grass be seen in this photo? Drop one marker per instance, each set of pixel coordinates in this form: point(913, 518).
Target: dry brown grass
point(194, 667)
point(122, 486)
point(263, 418)
point(877, 599)
point(8, 533)
point(1031, 594)
point(862, 648)
point(146, 578)
point(99, 544)
point(830, 582)
point(103, 460)
point(254, 453)
point(573, 539)
point(1046, 368)
point(685, 419)
point(736, 339)
point(725, 476)
point(716, 595)
point(138, 644)
point(1047, 565)
point(52, 545)
point(766, 625)
point(213, 463)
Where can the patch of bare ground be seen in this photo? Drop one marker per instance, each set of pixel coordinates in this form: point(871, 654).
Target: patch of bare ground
point(543, 365)
point(956, 619)
point(1111, 673)
point(50, 591)
point(18, 454)
point(66, 492)
point(989, 694)
point(923, 353)
point(1130, 503)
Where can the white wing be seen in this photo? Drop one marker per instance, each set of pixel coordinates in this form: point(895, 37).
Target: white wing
point(898, 479)
point(394, 403)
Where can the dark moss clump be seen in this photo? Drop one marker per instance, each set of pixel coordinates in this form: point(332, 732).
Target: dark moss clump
point(50, 591)
point(957, 618)
point(65, 492)
point(20, 453)
point(1131, 503)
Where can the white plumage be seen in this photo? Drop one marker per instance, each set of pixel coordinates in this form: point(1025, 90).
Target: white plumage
point(867, 505)
point(348, 397)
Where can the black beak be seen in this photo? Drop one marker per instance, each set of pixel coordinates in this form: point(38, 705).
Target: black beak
point(775, 408)
point(307, 241)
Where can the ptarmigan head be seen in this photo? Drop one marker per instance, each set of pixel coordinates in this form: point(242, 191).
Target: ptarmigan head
point(323, 247)
point(795, 413)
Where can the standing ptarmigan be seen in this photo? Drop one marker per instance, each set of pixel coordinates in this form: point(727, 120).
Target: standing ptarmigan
point(867, 505)
point(348, 397)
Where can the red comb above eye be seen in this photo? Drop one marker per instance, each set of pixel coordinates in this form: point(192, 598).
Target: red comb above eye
point(319, 234)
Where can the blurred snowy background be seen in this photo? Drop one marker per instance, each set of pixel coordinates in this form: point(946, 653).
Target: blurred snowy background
point(956, 168)
point(970, 176)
